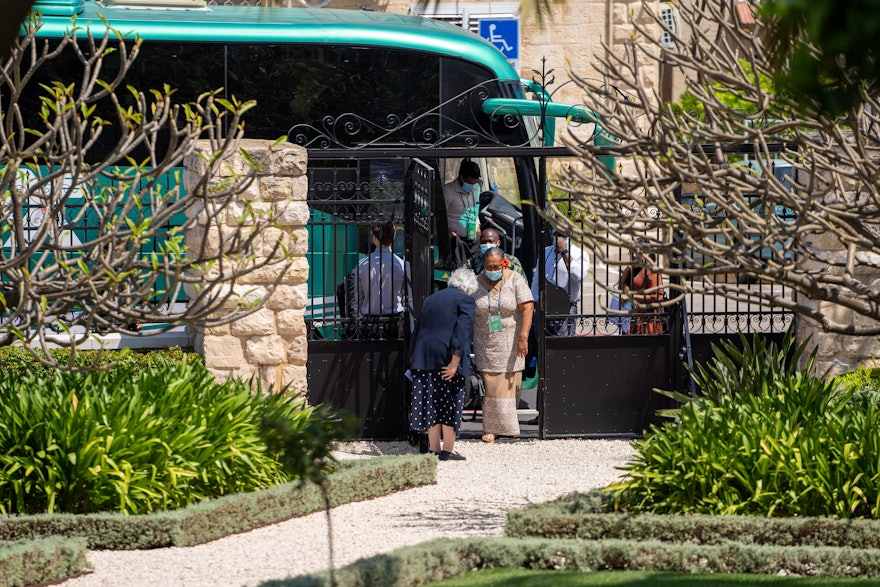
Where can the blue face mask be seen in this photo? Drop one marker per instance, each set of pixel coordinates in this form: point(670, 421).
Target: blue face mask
point(469, 188)
point(485, 247)
point(493, 275)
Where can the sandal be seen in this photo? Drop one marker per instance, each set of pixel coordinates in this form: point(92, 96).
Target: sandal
point(488, 438)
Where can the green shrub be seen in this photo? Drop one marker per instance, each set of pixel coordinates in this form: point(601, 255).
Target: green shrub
point(864, 381)
point(16, 361)
point(779, 442)
point(159, 439)
point(759, 364)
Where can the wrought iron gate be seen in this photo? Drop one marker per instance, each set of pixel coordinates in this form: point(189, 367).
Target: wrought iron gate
point(598, 376)
point(594, 379)
point(358, 355)
point(420, 189)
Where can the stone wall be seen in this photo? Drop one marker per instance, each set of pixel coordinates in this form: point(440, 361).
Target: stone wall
point(839, 353)
point(270, 343)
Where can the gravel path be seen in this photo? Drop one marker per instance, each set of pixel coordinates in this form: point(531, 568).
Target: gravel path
point(470, 498)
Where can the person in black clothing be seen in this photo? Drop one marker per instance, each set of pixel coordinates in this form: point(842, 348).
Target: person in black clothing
point(440, 343)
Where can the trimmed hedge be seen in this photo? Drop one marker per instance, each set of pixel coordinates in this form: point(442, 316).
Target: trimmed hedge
point(441, 559)
point(353, 481)
point(587, 517)
point(28, 562)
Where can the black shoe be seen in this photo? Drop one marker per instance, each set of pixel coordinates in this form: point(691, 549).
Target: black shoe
point(436, 454)
point(445, 455)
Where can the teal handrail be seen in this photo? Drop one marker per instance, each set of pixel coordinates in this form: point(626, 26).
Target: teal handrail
point(551, 111)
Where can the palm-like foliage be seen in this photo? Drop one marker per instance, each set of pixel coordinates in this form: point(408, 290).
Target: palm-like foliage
point(162, 439)
point(764, 439)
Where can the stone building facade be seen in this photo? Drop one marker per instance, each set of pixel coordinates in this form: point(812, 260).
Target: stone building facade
point(270, 343)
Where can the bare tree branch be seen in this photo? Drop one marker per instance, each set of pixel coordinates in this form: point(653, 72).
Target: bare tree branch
point(816, 230)
point(94, 240)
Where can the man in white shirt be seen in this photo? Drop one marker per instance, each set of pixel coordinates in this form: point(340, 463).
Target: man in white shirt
point(379, 277)
point(565, 266)
point(462, 198)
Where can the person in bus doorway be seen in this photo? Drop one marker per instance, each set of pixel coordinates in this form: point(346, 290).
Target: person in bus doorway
point(379, 286)
point(462, 198)
point(438, 365)
point(503, 318)
point(640, 284)
point(489, 238)
point(565, 266)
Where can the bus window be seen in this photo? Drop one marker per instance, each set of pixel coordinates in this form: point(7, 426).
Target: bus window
point(499, 200)
point(502, 179)
point(499, 175)
point(500, 206)
point(463, 89)
point(349, 93)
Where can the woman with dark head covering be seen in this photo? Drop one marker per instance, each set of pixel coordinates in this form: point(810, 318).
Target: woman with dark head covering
point(502, 319)
point(440, 344)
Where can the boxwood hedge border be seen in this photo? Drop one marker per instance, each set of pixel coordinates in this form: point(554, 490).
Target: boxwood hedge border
point(29, 562)
point(587, 516)
point(354, 480)
point(445, 558)
point(580, 532)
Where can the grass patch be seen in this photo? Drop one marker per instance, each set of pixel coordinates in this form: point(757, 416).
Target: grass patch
point(521, 578)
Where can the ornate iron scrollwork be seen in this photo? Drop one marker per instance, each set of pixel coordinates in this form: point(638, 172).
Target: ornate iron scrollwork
point(457, 122)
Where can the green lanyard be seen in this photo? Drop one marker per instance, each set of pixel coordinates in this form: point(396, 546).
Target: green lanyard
point(494, 319)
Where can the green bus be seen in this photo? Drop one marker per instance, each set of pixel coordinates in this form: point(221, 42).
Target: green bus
point(345, 83)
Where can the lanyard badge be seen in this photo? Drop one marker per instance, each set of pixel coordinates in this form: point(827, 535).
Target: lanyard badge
point(494, 323)
point(494, 319)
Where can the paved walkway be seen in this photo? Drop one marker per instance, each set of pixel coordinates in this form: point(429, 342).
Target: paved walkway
point(470, 498)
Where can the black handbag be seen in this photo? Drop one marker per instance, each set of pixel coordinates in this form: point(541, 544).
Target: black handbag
point(475, 390)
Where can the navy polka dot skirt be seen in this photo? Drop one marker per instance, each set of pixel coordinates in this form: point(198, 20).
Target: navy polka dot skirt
point(435, 401)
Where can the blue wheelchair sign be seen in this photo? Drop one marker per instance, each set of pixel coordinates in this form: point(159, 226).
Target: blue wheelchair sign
point(503, 33)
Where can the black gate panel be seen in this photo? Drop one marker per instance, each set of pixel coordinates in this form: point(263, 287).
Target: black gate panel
point(356, 359)
point(602, 386)
point(419, 251)
point(365, 381)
